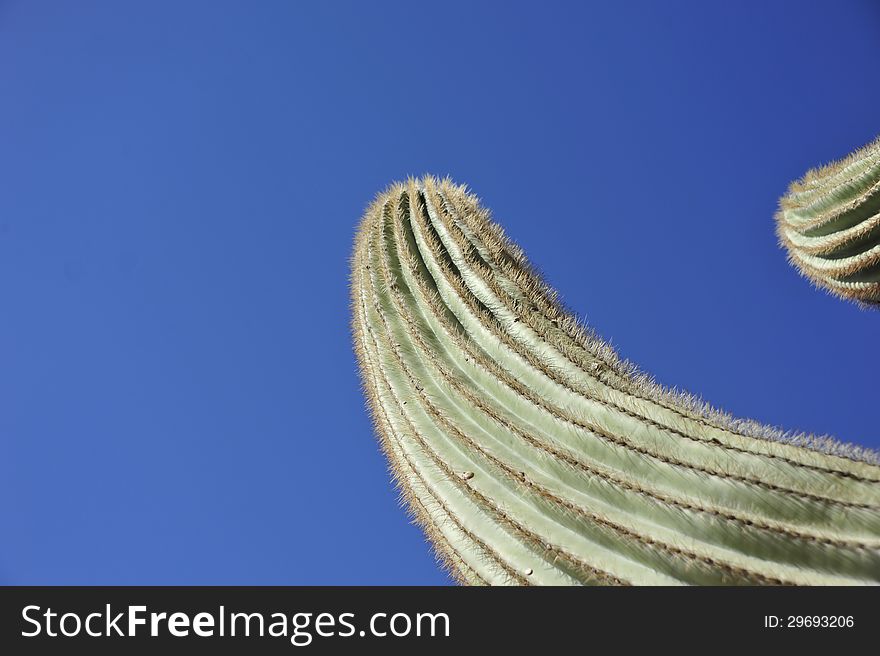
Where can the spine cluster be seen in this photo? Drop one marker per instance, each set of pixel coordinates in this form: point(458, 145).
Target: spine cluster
point(531, 455)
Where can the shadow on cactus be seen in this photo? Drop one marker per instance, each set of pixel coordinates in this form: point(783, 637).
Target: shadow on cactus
point(531, 454)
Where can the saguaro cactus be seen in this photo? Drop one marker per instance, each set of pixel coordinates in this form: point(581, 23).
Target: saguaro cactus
point(829, 221)
point(531, 454)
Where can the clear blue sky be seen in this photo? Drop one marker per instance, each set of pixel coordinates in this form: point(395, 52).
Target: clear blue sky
point(179, 186)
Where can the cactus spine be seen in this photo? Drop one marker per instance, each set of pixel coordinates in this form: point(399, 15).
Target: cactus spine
point(531, 454)
point(829, 222)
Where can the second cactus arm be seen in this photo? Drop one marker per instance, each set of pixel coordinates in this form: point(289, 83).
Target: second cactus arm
point(532, 455)
point(830, 224)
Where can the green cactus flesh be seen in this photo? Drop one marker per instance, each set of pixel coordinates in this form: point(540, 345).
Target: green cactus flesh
point(829, 221)
point(530, 454)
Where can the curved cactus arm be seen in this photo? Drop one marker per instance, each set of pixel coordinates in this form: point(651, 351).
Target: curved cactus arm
point(532, 455)
point(829, 222)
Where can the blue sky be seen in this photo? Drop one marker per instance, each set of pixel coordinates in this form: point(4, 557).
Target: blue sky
point(179, 186)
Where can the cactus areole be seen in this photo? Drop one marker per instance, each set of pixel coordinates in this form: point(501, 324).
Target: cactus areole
point(531, 454)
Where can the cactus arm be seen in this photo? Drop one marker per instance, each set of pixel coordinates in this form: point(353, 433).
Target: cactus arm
point(531, 454)
point(829, 222)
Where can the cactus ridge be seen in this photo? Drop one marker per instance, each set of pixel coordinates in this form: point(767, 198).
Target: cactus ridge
point(531, 454)
point(829, 222)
